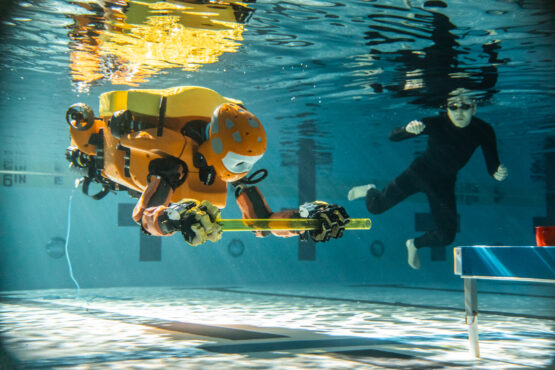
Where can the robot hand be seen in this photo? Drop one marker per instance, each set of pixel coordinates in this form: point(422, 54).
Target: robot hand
point(334, 218)
point(198, 222)
point(501, 173)
point(415, 127)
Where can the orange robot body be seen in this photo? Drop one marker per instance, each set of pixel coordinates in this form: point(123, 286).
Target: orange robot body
point(144, 146)
point(81, 138)
point(126, 161)
point(126, 157)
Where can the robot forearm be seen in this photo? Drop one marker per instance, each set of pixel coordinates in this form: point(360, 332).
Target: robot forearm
point(196, 221)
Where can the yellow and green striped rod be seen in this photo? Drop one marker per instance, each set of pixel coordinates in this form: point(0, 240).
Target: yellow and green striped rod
point(287, 224)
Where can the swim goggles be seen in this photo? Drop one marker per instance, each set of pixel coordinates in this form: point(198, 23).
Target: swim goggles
point(455, 107)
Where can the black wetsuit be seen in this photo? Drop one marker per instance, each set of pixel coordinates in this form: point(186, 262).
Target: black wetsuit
point(435, 172)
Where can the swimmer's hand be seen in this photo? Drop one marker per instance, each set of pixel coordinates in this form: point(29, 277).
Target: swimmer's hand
point(333, 217)
point(198, 222)
point(415, 127)
point(501, 173)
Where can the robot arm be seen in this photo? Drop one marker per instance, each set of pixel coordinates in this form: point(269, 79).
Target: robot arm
point(253, 205)
point(165, 175)
point(333, 217)
point(196, 221)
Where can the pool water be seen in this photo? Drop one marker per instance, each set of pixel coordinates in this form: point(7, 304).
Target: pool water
point(329, 81)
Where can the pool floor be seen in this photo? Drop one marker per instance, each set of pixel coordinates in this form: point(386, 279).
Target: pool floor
point(322, 326)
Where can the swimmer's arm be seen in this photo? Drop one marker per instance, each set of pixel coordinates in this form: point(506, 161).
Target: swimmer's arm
point(489, 149)
point(412, 129)
point(399, 133)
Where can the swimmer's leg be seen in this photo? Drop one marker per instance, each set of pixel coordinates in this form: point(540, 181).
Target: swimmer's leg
point(405, 185)
point(443, 207)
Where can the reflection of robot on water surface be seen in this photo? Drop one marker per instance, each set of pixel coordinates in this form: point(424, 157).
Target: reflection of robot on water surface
point(128, 42)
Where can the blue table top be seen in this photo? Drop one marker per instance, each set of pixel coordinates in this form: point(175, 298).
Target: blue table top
point(529, 263)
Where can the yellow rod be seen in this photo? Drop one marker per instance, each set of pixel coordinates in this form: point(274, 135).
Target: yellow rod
point(287, 224)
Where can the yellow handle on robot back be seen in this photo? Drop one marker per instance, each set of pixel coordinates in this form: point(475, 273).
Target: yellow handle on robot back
point(287, 224)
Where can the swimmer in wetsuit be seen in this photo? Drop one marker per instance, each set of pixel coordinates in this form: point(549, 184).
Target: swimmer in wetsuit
point(452, 139)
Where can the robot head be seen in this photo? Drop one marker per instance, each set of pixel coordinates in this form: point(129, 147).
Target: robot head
point(236, 140)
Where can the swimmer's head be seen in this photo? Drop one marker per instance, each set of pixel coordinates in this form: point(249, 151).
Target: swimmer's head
point(460, 107)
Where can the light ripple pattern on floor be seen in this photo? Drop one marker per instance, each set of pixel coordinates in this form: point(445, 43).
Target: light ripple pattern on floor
point(267, 327)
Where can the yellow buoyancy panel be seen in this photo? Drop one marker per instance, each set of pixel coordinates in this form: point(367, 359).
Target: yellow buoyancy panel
point(182, 101)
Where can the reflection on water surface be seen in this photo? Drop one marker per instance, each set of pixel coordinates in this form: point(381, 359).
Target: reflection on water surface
point(126, 42)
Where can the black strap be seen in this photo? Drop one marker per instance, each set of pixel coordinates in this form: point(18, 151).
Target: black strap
point(126, 159)
point(195, 129)
point(101, 194)
point(168, 169)
point(161, 193)
point(206, 173)
point(250, 180)
point(138, 125)
point(257, 201)
point(98, 141)
point(162, 115)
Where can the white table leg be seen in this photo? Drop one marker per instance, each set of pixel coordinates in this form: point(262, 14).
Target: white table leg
point(471, 313)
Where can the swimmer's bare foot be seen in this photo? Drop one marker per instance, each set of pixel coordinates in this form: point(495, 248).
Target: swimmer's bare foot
point(413, 259)
point(359, 191)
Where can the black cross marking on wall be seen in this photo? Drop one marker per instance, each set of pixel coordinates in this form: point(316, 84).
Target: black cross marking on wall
point(150, 247)
point(307, 190)
point(425, 222)
point(549, 219)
